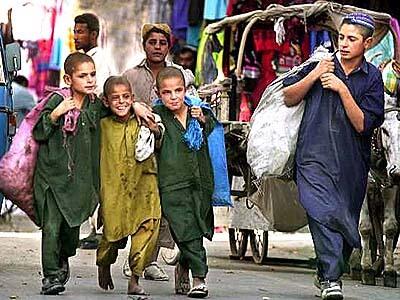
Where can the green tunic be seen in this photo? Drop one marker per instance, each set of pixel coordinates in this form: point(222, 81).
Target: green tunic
point(75, 189)
point(185, 181)
point(129, 194)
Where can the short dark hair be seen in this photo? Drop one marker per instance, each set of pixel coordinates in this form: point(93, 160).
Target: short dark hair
point(114, 80)
point(169, 72)
point(156, 30)
point(75, 59)
point(91, 20)
point(21, 80)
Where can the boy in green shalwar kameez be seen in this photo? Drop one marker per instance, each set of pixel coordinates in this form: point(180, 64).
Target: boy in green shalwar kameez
point(129, 198)
point(66, 179)
point(186, 181)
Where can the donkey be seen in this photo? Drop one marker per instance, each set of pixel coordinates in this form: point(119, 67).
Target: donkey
point(379, 225)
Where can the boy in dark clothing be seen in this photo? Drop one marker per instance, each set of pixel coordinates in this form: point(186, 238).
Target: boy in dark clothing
point(185, 178)
point(344, 104)
point(66, 180)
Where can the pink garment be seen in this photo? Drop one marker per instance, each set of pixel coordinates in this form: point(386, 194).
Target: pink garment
point(17, 166)
point(71, 121)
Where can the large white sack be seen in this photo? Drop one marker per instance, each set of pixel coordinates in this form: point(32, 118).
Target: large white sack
point(274, 128)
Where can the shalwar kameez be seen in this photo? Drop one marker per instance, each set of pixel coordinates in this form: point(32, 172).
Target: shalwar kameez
point(332, 162)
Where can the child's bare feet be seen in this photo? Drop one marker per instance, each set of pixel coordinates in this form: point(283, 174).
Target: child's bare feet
point(104, 278)
point(134, 288)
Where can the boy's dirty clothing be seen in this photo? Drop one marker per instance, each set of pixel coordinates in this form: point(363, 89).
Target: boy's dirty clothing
point(66, 180)
point(185, 181)
point(75, 189)
point(129, 198)
point(143, 242)
point(59, 240)
point(128, 193)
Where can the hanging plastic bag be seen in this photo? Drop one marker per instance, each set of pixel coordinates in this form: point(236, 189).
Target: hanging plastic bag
point(274, 128)
point(17, 166)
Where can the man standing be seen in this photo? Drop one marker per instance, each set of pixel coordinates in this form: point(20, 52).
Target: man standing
point(86, 33)
point(344, 104)
point(156, 41)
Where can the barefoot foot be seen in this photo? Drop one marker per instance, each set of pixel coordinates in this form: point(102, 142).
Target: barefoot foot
point(104, 278)
point(134, 288)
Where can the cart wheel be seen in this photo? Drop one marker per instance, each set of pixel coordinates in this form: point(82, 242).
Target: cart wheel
point(170, 256)
point(259, 246)
point(238, 239)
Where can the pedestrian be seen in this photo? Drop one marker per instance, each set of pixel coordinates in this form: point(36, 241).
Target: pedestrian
point(343, 105)
point(185, 178)
point(66, 175)
point(186, 57)
point(86, 35)
point(129, 198)
point(156, 41)
point(24, 99)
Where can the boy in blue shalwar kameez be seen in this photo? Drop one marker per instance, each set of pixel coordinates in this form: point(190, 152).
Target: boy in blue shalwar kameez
point(344, 104)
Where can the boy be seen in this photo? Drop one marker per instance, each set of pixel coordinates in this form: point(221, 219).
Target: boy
point(129, 199)
point(185, 180)
point(344, 103)
point(66, 175)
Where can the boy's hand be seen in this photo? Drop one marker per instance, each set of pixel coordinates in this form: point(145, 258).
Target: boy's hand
point(331, 81)
point(143, 112)
point(324, 66)
point(65, 106)
point(197, 112)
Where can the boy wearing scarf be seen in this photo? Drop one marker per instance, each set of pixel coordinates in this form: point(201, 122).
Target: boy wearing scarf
point(185, 179)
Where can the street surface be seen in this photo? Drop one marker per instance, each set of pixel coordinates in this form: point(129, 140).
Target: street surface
point(20, 270)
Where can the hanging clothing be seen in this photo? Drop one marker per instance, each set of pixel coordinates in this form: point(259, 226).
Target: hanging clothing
point(332, 159)
point(179, 19)
point(215, 9)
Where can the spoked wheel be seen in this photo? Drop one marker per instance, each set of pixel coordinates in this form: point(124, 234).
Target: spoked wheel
point(259, 245)
point(238, 239)
point(170, 256)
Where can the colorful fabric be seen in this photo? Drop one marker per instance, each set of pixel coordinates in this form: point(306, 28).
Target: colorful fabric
point(391, 79)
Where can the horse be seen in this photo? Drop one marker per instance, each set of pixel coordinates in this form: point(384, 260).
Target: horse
point(379, 220)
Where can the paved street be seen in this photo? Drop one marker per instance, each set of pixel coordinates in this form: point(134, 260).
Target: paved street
point(228, 279)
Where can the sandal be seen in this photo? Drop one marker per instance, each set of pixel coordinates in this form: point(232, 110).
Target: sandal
point(182, 281)
point(200, 291)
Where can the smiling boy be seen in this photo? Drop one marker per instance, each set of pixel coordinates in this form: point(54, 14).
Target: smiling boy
point(129, 198)
point(344, 104)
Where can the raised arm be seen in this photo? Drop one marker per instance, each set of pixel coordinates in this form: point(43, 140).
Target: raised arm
point(296, 92)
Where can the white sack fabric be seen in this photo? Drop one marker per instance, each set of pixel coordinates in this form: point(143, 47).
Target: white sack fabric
point(274, 128)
